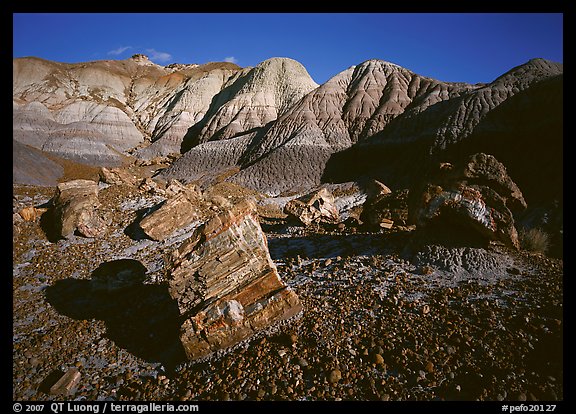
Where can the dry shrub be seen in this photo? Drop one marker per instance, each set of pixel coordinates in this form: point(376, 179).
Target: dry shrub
point(534, 240)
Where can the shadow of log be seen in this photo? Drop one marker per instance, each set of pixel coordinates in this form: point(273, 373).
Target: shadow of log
point(322, 246)
point(49, 227)
point(406, 244)
point(142, 319)
point(50, 380)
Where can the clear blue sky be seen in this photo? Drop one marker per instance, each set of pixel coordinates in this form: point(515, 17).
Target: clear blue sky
point(463, 47)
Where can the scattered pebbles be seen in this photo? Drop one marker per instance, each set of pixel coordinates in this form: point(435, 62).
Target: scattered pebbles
point(375, 325)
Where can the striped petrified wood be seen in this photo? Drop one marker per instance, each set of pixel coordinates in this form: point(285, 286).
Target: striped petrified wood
point(225, 283)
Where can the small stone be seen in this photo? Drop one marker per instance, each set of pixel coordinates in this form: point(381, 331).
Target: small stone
point(429, 367)
point(302, 362)
point(521, 397)
point(28, 213)
point(334, 376)
point(328, 262)
point(378, 359)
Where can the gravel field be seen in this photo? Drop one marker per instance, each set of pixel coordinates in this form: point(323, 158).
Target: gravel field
point(380, 322)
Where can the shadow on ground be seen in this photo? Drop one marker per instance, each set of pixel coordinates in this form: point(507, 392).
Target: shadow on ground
point(405, 244)
point(321, 246)
point(133, 230)
point(143, 319)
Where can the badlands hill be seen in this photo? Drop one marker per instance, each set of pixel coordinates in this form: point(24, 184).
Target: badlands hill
point(273, 129)
point(98, 112)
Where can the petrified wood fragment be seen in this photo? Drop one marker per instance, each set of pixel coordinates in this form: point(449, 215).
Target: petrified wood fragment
point(226, 284)
point(177, 212)
point(318, 206)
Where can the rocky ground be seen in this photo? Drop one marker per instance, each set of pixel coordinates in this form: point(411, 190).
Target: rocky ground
point(385, 318)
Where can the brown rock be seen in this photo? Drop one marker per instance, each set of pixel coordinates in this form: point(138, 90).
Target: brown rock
point(378, 359)
point(386, 223)
point(487, 168)
point(317, 206)
point(224, 279)
point(117, 176)
point(29, 213)
point(334, 376)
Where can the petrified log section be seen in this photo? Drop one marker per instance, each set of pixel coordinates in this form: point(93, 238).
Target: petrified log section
point(75, 209)
point(226, 284)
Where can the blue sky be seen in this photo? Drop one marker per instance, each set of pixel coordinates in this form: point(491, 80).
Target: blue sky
point(457, 47)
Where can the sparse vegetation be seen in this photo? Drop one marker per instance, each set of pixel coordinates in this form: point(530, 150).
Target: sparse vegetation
point(534, 240)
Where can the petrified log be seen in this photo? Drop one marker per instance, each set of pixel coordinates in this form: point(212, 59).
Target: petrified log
point(477, 194)
point(75, 207)
point(226, 284)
